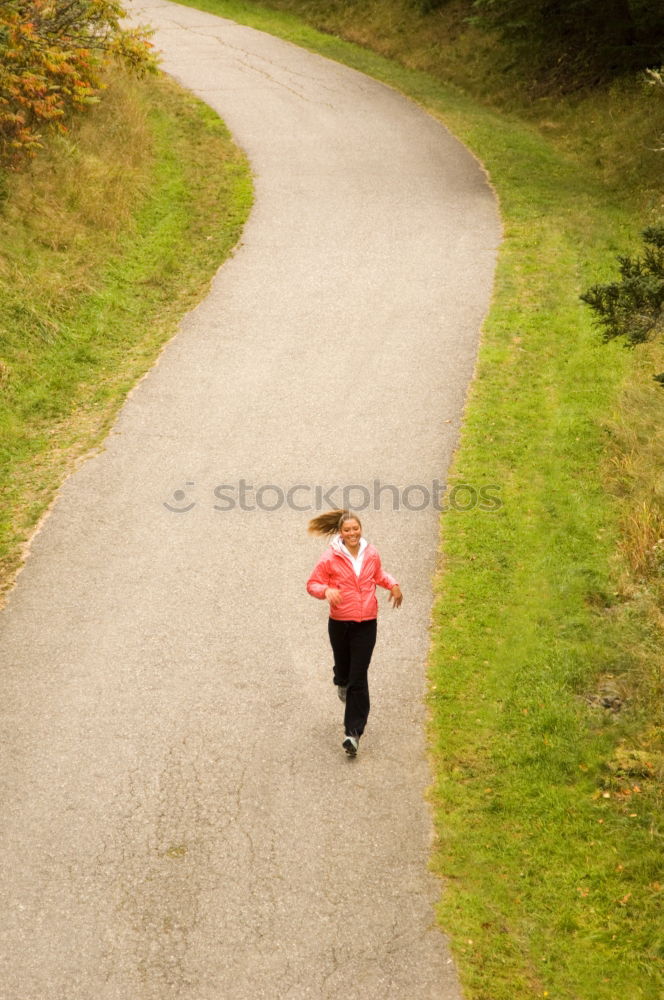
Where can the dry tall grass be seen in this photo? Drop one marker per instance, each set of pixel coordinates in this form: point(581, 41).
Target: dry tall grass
point(74, 201)
point(635, 473)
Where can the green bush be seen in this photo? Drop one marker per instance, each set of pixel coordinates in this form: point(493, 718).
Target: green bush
point(633, 307)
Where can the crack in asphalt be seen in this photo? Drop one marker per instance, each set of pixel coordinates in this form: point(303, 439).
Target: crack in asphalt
point(249, 62)
point(162, 855)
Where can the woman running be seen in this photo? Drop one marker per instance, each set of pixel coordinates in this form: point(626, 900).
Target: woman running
point(346, 577)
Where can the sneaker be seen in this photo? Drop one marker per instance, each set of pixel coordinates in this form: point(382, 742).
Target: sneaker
point(341, 691)
point(350, 745)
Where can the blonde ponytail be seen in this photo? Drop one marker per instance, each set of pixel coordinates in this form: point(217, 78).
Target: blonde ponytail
point(330, 522)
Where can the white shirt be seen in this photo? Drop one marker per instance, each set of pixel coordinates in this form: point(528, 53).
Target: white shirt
point(356, 561)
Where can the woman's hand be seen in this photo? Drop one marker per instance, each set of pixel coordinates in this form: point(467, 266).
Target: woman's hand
point(333, 596)
point(396, 597)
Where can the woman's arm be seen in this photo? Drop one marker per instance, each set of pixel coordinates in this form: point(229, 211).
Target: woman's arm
point(381, 578)
point(318, 584)
point(319, 580)
point(386, 580)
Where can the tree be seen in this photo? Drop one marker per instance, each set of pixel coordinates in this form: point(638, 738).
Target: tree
point(52, 55)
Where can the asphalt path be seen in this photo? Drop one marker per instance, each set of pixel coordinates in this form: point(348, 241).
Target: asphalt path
point(179, 819)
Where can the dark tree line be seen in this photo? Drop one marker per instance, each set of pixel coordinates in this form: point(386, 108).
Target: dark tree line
point(585, 40)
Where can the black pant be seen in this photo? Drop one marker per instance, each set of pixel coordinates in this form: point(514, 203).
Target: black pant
point(352, 645)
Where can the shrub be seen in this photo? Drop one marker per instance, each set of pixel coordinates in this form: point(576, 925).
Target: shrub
point(633, 307)
point(51, 56)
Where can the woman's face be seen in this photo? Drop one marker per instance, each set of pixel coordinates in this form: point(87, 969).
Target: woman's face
point(351, 532)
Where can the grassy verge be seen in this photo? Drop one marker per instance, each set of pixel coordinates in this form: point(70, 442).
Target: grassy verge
point(110, 236)
point(547, 803)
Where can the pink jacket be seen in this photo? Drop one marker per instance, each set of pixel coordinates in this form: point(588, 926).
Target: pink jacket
point(358, 593)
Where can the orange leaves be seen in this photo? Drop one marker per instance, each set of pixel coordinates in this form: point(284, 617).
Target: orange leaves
point(45, 72)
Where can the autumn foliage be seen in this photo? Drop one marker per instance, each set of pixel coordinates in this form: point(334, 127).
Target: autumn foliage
point(52, 55)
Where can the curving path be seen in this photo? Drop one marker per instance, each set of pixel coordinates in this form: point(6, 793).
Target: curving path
point(178, 819)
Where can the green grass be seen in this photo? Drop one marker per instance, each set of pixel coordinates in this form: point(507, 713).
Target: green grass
point(106, 241)
point(547, 808)
point(554, 885)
